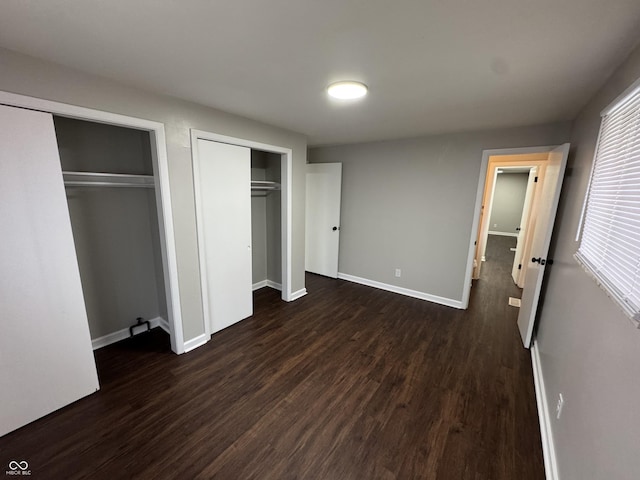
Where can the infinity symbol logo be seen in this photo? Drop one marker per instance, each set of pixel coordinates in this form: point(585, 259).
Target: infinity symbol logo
point(13, 465)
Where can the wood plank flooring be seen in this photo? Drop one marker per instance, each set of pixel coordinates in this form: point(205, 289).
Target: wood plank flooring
point(346, 383)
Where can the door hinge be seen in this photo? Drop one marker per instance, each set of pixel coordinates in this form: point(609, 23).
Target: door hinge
point(520, 267)
point(535, 180)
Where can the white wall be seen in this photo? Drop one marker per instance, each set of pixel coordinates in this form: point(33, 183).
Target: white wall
point(590, 351)
point(30, 76)
point(409, 204)
point(508, 202)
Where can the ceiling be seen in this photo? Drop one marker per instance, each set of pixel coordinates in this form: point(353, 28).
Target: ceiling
point(433, 66)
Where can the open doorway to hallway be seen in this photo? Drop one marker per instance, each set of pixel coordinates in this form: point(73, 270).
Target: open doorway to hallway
point(509, 206)
point(551, 163)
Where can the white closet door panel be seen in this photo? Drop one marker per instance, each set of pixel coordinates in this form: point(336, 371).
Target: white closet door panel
point(225, 202)
point(46, 360)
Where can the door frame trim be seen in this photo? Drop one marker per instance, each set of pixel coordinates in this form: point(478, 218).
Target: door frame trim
point(286, 210)
point(475, 223)
point(162, 187)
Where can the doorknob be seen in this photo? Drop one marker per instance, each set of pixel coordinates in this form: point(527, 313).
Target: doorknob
point(334, 228)
point(539, 260)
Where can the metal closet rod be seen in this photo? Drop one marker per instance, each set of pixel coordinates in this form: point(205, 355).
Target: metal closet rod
point(98, 179)
point(264, 185)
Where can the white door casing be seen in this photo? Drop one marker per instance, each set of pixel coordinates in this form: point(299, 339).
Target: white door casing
point(223, 175)
point(545, 219)
point(322, 232)
point(46, 359)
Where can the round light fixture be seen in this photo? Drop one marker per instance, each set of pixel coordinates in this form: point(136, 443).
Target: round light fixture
point(347, 90)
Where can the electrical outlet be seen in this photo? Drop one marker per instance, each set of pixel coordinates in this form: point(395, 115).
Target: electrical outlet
point(398, 272)
point(559, 406)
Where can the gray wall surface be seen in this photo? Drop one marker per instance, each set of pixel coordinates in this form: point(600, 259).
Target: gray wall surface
point(115, 230)
point(409, 204)
point(113, 235)
point(258, 224)
point(589, 350)
point(95, 147)
point(274, 221)
point(508, 201)
point(30, 76)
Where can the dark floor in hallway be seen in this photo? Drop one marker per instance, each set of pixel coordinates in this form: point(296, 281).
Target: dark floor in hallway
point(346, 383)
point(499, 262)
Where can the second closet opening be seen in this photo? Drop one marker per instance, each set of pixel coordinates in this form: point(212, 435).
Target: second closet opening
point(266, 223)
point(243, 217)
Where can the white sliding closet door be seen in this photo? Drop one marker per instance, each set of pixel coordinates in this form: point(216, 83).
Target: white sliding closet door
point(46, 360)
point(223, 181)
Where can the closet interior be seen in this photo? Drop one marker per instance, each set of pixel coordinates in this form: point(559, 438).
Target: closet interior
point(109, 181)
point(266, 220)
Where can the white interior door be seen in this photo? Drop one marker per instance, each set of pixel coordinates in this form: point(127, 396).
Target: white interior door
point(522, 233)
point(324, 186)
point(46, 359)
point(223, 191)
point(535, 266)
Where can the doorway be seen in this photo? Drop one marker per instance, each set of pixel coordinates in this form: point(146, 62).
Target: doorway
point(509, 205)
point(550, 163)
point(503, 164)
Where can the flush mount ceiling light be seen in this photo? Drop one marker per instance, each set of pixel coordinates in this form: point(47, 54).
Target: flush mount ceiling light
point(347, 90)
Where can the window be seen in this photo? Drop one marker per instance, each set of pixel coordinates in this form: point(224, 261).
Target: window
point(610, 242)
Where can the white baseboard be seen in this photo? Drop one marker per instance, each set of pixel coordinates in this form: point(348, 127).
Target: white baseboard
point(548, 448)
point(196, 342)
point(300, 293)
point(266, 283)
point(402, 291)
point(164, 325)
point(259, 285)
point(503, 234)
point(124, 333)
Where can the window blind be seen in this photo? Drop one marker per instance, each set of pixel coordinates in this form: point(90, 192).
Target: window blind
point(610, 242)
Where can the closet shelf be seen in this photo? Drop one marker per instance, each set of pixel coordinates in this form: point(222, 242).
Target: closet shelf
point(264, 185)
point(94, 179)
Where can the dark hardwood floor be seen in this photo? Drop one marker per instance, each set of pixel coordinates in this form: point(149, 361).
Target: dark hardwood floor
point(346, 383)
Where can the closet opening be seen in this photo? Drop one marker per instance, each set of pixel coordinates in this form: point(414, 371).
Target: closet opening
point(266, 221)
point(243, 217)
point(113, 200)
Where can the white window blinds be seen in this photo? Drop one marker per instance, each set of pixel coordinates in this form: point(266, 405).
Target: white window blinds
point(610, 242)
